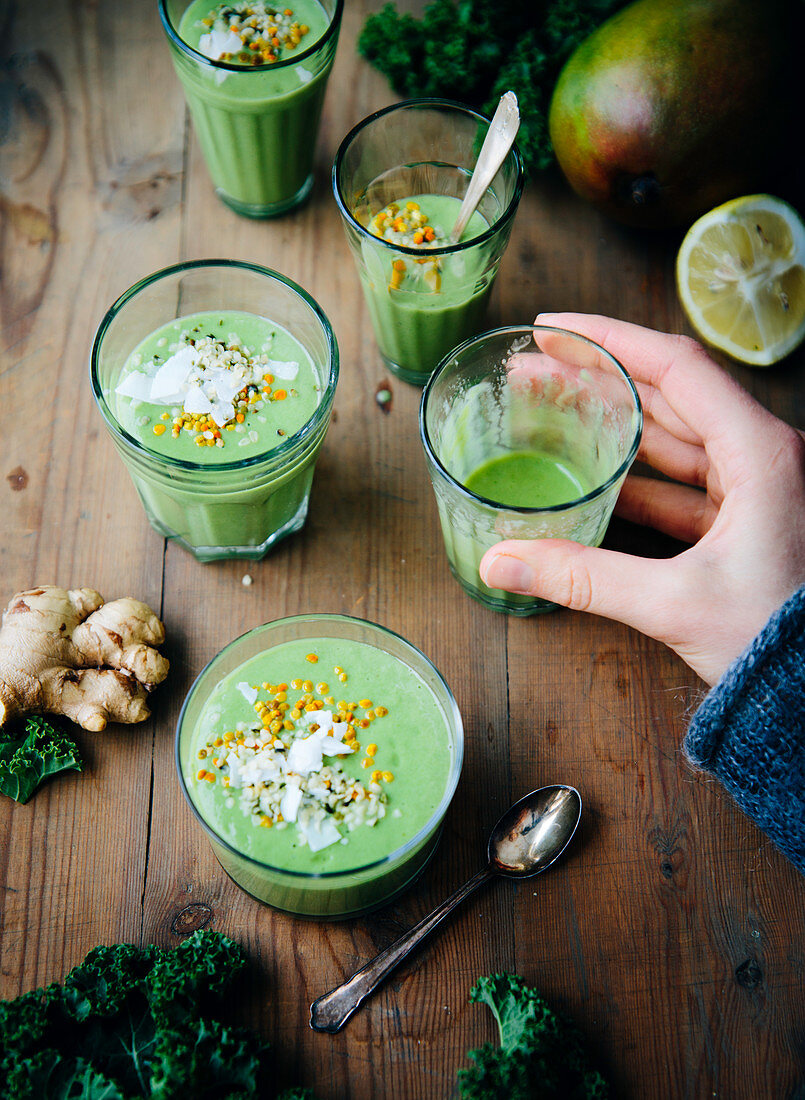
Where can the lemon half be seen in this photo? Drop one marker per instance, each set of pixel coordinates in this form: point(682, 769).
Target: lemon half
point(741, 278)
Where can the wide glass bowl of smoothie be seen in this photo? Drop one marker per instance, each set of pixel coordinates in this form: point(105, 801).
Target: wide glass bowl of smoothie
point(528, 433)
point(254, 77)
point(320, 754)
point(399, 178)
point(216, 381)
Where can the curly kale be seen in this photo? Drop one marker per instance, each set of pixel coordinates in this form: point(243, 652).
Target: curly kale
point(540, 1054)
point(132, 1023)
point(43, 750)
point(475, 50)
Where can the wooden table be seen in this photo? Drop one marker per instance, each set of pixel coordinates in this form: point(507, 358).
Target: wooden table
point(673, 933)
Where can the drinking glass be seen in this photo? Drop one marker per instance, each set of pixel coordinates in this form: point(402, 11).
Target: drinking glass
point(257, 126)
point(548, 418)
point(229, 509)
point(325, 895)
point(423, 302)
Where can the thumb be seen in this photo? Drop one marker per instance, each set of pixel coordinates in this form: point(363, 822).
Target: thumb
point(630, 589)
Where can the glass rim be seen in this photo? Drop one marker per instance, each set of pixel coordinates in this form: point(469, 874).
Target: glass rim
point(515, 330)
point(453, 718)
point(446, 250)
point(287, 446)
point(195, 55)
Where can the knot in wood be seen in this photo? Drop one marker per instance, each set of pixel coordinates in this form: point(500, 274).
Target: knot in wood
point(749, 975)
point(190, 919)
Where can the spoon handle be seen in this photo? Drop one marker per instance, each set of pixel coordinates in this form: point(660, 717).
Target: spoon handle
point(499, 139)
point(332, 1010)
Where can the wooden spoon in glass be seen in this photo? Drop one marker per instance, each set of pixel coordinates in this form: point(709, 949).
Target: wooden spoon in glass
point(497, 143)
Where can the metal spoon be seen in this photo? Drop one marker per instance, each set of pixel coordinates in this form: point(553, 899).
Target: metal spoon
point(530, 836)
point(499, 139)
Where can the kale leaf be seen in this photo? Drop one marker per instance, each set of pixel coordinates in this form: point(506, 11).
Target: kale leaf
point(131, 1023)
point(462, 49)
point(43, 750)
point(540, 1054)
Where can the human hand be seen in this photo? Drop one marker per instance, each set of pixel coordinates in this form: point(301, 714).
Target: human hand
point(738, 497)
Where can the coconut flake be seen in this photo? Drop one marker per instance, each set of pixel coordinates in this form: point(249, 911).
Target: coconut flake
point(286, 371)
point(222, 412)
point(291, 801)
point(135, 385)
point(196, 401)
point(331, 746)
point(217, 42)
point(321, 835)
point(305, 756)
point(169, 384)
point(248, 692)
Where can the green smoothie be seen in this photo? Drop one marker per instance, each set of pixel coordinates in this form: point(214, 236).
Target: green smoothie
point(255, 93)
point(219, 398)
point(529, 479)
point(319, 767)
point(516, 479)
point(423, 306)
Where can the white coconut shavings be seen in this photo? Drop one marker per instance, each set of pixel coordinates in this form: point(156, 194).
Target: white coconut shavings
point(294, 777)
point(287, 371)
point(248, 692)
point(219, 42)
point(291, 801)
point(204, 379)
point(168, 385)
point(319, 834)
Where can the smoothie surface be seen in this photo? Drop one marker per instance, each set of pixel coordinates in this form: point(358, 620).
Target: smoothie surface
point(251, 32)
point(527, 479)
point(260, 778)
point(424, 222)
point(216, 388)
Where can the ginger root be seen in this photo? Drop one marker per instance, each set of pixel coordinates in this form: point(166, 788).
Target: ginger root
point(67, 652)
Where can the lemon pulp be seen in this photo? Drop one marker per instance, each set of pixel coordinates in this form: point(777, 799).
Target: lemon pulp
point(741, 278)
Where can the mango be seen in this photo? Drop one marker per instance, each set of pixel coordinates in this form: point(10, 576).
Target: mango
point(673, 106)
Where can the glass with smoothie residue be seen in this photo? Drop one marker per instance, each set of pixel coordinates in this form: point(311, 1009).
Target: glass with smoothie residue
point(320, 754)
point(528, 433)
point(254, 77)
point(216, 381)
point(399, 178)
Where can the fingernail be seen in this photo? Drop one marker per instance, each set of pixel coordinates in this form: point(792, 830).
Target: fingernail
point(510, 574)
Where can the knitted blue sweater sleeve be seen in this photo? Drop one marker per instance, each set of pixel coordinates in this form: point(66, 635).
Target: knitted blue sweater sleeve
point(750, 730)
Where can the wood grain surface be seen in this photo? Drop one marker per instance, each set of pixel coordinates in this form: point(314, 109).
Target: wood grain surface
point(674, 931)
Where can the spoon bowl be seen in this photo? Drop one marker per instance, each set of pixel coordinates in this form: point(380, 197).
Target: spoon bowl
point(534, 832)
point(526, 841)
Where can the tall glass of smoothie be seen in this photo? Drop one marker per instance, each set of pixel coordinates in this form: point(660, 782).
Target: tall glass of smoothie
point(320, 754)
point(254, 76)
point(399, 178)
point(216, 380)
point(528, 433)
